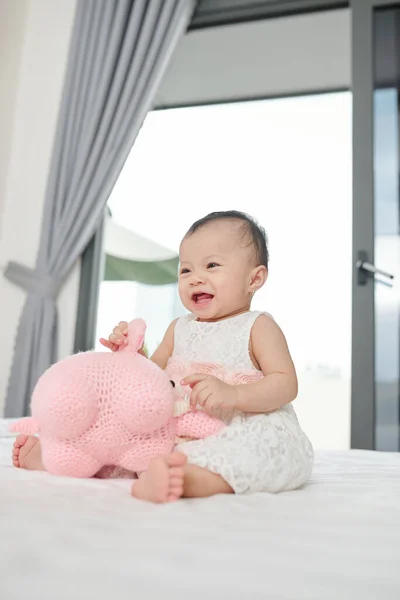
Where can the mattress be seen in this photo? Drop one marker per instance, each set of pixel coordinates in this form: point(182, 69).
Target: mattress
point(338, 538)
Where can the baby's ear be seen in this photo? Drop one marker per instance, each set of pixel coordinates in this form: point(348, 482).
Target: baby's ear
point(258, 278)
point(136, 333)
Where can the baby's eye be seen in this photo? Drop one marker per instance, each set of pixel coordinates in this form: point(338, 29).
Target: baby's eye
point(212, 265)
point(184, 271)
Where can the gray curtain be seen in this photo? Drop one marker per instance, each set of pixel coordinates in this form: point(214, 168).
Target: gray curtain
point(119, 52)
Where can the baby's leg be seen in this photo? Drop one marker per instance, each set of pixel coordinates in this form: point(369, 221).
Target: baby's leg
point(201, 483)
point(27, 453)
point(169, 478)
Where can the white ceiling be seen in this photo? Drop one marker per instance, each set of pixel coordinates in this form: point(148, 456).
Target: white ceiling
point(264, 58)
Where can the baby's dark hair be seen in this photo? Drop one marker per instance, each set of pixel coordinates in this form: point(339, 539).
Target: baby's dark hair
point(251, 230)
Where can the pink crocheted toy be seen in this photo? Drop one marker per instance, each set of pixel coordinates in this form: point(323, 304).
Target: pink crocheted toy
point(96, 409)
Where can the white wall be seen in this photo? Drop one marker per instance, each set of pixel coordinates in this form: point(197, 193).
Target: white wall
point(264, 58)
point(12, 23)
point(34, 42)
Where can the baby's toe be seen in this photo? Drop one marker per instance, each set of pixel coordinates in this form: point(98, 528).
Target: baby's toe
point(175, 484)
point(176, 472)
point(15, 455)
point(176, 460)
point(175, 493)
point(20, 440)
point(175, 481)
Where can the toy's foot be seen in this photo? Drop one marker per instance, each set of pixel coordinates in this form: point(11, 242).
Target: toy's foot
point(163, 480)
point(27, 453)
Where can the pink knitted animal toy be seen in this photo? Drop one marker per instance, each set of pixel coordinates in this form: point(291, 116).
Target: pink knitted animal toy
point(96, 409)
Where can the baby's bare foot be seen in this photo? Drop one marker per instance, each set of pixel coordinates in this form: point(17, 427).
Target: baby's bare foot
point(163, 480)
point(27, 453)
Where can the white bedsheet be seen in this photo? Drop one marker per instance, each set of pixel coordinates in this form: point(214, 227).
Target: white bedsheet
point(336, 539)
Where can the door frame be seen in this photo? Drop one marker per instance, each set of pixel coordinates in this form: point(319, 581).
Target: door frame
point(363, 297)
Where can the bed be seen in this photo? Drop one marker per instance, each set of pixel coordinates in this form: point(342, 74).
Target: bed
point(337, 538)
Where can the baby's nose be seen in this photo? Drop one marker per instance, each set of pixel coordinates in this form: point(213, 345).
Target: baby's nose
point(197, 279)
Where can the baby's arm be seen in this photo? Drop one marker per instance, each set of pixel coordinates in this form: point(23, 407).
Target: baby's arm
point(166, 348)
point(279, 386)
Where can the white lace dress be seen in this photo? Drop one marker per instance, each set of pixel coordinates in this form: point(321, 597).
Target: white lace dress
point(254, 453)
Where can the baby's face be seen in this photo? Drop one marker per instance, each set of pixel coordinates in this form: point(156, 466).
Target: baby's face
point(216, 271)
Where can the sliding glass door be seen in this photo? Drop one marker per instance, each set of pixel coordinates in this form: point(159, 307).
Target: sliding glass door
point(376, 225)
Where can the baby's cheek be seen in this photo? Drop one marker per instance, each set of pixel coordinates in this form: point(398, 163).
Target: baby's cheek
point(184, 297)
point(182, 289)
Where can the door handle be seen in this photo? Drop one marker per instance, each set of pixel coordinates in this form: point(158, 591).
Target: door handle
point(366, 269)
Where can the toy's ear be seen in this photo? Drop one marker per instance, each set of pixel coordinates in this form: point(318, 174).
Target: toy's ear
point(136, 333)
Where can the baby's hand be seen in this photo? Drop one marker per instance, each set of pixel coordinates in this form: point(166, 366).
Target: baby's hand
point(212, 394)
point(118, 338)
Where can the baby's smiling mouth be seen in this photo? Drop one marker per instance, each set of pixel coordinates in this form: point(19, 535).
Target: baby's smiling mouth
point(201, 297)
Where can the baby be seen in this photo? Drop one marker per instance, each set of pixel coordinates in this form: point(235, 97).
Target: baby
point(223, 262)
